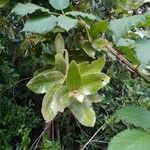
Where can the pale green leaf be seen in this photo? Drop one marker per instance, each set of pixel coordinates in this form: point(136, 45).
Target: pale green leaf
point(78, 95)
point(142, 48)
point(84, 15)
point(60, 63)
point(135, 115)
point(92, 83)
point(130, 55)
point(99, 27)
point(73, 80)
point(99, 44)
point(59, 43)
point(83, 112)
point(49, 109)
point(40, 25)
point(89, 50)
point(61, 99)
point(66, 23)
point(130, 140)
point(59, 4)
point(125, 24)
point(45, 80)
point(28, 8)
point(3, 3)
point(95, 67)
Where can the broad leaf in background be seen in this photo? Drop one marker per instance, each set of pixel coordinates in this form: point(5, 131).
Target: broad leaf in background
point(3, 3)
point(66, 23)
point(142, 48)
point(94, 68)
point(45, 81)
point(73, 80)
point(84, 15)
point(40, 25)
point(99, 27)
point(59, 43)
point(83, 112)
point(120, 27)
point(135, 115)
point(28, 8)
point(59, 4)
point(130, 140)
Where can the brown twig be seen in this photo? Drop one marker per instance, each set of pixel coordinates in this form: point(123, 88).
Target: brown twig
point(127, 63)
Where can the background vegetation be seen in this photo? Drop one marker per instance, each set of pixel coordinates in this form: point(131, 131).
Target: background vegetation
point(115, 30)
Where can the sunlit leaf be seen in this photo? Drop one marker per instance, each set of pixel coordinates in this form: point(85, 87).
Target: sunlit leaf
point(83, 112)
point(73, 80)
point(95, 67)
point(60, 63)
point(45, 81)
point(59, 43)
point(99, 44)
point(88, 49)
point(99, 27)
point(49, 109)
point(93, 82)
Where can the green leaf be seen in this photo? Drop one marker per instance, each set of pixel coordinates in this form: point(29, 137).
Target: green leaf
point(93, 68)
point(142, 47)
point(84, 15)
point(3, 3)
point(126, 42)
point(61, 99)
point(59, 4)
point(125, 24)
point(130, 55)
point(130, 140)
point(135, 115)
point(55, 100)
point(45, 81)
point(73, 80)
point(99, 27)
point(60, 63)
point(49, 109)
point(40, 25)
point(28, 8)
point(99, 44)
point(83, 112)
point(59, 43)
point(89, 50)
point(66, 23)
point(92, 83)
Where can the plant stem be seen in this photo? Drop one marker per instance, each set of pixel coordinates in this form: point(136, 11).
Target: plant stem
point(127, 63)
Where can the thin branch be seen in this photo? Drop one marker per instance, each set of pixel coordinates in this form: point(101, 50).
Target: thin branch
point(127, 63)
point(88, 142)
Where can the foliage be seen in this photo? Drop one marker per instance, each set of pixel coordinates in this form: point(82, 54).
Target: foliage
point(70, 45)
